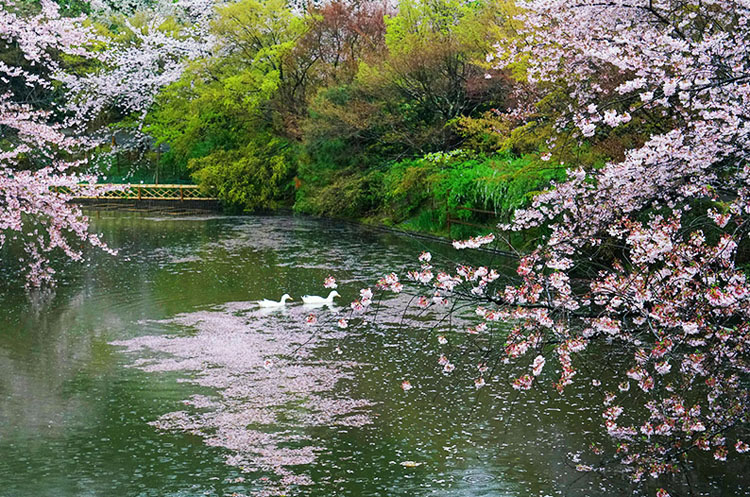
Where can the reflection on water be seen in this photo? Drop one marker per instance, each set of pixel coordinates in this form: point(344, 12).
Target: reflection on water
point(145, 374)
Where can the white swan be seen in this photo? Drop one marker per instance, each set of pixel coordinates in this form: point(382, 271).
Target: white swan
point(273, 303)
point(315, 300)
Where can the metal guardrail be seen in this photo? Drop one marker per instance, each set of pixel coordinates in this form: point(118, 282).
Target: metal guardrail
point(143, 192)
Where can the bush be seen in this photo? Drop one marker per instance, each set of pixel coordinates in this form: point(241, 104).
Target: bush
point(255, 177)
point(497, 183)
point(348, 193)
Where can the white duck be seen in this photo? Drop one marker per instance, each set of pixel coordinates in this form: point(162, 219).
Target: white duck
point(273, 303)
point(315, 300)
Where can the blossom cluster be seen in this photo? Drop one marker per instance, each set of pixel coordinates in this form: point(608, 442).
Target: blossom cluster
point(134, 68)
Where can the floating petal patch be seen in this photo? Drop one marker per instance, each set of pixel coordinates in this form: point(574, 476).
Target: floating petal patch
point(262, 370)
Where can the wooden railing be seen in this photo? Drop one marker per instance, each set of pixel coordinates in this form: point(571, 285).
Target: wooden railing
point(143, 192)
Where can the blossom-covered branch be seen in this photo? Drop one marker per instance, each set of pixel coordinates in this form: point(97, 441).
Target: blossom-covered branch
point(644, 256)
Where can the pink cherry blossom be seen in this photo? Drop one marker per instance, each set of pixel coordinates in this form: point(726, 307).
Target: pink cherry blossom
point(537, 365)
point(523, 383)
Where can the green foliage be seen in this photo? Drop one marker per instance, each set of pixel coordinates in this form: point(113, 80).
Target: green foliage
point(254, 177)
point(217, 120)
point(358, 131)
point(194, 123)
point(348, 194)
point(431, 71)
point(496, 183)
point(259, 35)
point(418, 193)
point(422, 24)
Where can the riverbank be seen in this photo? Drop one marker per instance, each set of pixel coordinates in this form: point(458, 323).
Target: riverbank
point(448, 195)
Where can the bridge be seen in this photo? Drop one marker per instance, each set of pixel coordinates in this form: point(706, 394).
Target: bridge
point(146, 197)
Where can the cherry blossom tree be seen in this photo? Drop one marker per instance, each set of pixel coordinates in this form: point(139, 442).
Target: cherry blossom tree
point(643, 262)
point(150, 52)
point(38, 154)
point(50, 116)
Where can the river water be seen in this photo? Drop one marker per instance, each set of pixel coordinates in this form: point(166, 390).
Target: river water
point(153, 373)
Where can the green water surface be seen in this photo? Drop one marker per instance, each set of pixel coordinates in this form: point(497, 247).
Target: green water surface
point(74, 416)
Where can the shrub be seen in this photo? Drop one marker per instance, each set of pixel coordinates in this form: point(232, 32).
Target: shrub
point(255, 177)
